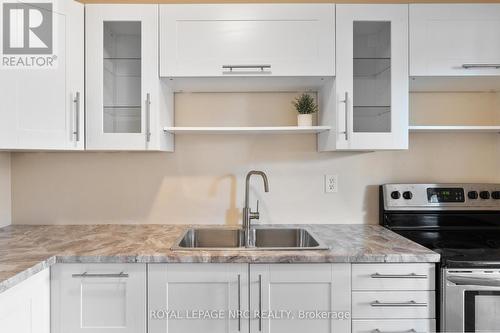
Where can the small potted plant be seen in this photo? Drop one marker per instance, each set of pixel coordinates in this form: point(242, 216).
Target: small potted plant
point(305, 106)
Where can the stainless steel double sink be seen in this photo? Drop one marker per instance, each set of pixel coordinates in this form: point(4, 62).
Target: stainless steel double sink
point(233, 239)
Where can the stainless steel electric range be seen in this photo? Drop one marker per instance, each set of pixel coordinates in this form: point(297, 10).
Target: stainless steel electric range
point(462, 223)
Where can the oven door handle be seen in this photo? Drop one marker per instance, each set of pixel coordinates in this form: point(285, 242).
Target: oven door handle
point(460, 280)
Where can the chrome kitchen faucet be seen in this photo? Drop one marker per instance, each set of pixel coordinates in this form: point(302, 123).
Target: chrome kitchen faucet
point(248, 215)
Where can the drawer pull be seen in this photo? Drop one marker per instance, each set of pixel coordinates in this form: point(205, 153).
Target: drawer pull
point(232, 67)
point(399, 276)
point(469, 66)
point(407, 331)
point(398, 304)
point(87, 275)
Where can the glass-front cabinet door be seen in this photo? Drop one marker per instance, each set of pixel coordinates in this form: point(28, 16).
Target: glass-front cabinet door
point(372, 77)
point(122, 76)
point(122, 64)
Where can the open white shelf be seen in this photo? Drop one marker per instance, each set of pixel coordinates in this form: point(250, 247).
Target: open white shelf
point(436, 129)
point(248, 130)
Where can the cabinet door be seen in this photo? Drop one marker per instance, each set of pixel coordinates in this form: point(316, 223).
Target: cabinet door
point(372, 77)
point(99, 298)
point(42, 77)
point(183, 289)
point(266, 39)
point(122, 77)
point(454, 39)
point(25, 308)
point(300, 290)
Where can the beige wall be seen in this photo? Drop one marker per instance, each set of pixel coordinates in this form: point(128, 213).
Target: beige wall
point(203, 181)
point(5, 189)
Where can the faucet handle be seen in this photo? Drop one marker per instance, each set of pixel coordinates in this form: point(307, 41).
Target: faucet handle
point(255, 215)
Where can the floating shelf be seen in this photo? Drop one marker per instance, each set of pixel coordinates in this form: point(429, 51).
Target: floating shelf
point(248, 130)
point(471, 129)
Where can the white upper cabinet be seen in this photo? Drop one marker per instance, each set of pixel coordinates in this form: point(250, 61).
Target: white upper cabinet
point(42, 77)
point(126, 106)
point(247, 40)
point(454, 39)
point(367, 106)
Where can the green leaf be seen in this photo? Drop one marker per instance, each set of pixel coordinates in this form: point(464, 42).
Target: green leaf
point(305, 104)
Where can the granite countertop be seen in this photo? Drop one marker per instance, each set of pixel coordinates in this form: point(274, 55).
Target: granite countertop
point(26, 250)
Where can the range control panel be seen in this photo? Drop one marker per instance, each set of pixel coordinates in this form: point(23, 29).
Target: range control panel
point(441, 196)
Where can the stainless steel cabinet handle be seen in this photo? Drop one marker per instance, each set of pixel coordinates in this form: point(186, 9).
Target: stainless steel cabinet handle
point(261, 67)
point(469, 66)
point(407, 331)
point(112, 275)
point(148, 117)
point(398, 304)
point(460, 280)
point(398, 276)
point(239, 302)
point(76, 131)
point(346, 102)
point(260, 303)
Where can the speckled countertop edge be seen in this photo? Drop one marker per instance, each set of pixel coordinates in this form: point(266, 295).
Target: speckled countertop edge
point(26, 250)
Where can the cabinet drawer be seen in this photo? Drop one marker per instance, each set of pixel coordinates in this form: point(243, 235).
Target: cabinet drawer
point(397, 304)
point(391, 326)
point(393, 277)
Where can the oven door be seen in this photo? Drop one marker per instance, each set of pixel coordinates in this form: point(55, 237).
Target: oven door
point(471, 300)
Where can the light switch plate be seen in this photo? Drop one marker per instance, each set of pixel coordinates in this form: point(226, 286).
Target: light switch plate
point(331, 183)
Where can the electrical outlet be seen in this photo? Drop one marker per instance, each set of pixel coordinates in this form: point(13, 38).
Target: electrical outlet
point(331, 183)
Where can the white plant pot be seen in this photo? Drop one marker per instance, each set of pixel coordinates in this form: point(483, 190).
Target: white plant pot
point(304, 120)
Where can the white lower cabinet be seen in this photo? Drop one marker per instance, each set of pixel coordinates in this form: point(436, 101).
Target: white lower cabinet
point(267, 291)
point(298, 298)
point(181, 296)
point(25, 308)
point(230, 298)
point(99, 298)
point(393, 298)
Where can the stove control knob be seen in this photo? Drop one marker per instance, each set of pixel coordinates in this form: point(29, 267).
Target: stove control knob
point(495, 195)
point(395, 195)
point(484, 195)
point(407, 195)
point(473, 195)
